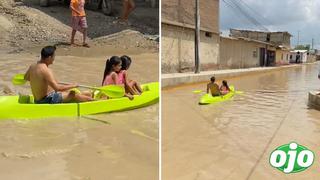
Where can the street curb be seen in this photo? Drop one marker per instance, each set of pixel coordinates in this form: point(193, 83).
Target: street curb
point(176, 79)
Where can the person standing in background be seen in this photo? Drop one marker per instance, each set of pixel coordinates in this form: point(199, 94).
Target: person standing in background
point(78, 20)
point(128, 7)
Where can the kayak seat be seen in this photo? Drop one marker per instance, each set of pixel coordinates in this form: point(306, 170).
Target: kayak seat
point(145, 88)
point(25, 99)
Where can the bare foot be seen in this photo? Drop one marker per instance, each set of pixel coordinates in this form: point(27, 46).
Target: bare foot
point(129, 96)
point(121, 22)
point(86, 45)
point(74, 45)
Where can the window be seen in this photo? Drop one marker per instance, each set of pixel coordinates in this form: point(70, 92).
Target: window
point(208, 34)
point(268, 37)
point(255, 54)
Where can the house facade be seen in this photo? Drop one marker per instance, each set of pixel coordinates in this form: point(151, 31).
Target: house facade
point(281, 40)
point(178, 34)
point(244, 53)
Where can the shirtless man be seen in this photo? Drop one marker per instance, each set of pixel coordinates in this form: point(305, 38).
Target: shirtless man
point(213, 87)
point(44, 86)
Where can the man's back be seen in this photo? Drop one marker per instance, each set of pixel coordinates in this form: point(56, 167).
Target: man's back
point(39, 84)
point(214, 89)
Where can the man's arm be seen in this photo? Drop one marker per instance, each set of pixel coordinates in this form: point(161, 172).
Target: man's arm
point(208, 88)
point(48, 76)
point(27, 75)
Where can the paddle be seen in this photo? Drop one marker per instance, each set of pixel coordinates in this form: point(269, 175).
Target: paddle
point(18, 79)
point(113, 91)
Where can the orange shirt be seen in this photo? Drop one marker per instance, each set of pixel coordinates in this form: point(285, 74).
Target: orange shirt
point(77, 7)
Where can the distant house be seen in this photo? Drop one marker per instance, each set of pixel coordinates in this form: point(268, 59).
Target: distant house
point(178, 29)
point(276, 38)
point(244, 53)
point(279, 39)
point(282, 55)
point(299, 56)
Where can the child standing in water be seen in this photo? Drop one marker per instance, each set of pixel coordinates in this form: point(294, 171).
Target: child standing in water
point(113, 74)
point(224, 89)
point(213, 87)
point(131, 86)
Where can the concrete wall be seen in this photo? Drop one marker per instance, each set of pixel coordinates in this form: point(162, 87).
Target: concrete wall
point(311, 58)
point(178, 49)
point(182, 11)
point(276, 38)
point(236, 53)
point(282, 57)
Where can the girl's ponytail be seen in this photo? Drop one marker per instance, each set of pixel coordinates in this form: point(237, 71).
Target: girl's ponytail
point(114, 60)
point(105, 70)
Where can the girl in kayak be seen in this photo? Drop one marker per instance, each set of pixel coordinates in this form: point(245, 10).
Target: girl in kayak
point(131, 86)
point(113, 74)
point(112, 68)
point(224, 89)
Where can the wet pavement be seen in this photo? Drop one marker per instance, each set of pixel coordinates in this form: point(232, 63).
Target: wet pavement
point(233, 139)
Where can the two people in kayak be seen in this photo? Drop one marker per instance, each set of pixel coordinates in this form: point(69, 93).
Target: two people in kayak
point(116, 73)
point(44, 86)
point(46, 89)
point(214, 89)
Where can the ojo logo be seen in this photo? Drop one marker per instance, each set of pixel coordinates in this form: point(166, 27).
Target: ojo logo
point(291, 158)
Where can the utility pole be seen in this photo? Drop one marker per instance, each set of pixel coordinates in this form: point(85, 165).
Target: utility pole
point(197, 37)
point(298, 43)
point(312, 43)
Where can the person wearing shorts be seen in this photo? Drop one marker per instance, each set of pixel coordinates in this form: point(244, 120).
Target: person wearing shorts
point(128, 7)
point(78, 20)
point(51, 98)
point(44, 86)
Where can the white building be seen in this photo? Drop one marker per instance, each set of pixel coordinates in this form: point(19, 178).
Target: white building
point(299, 56)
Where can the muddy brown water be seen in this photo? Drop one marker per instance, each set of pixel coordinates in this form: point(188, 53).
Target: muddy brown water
point(233, 139)
point(122, 145)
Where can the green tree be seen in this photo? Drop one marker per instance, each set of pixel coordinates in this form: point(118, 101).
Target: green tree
point(303, 47)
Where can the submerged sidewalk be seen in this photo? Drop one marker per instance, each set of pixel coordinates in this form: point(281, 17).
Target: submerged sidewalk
point(176, 79)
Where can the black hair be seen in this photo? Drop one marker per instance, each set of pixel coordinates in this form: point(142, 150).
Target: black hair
point(126, 62)
point(47, 52)
point(212, 79)
point(113, 61)
point(225, 83)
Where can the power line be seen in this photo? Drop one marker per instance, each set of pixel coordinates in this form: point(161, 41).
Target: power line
point(255, 12)
point(238, 7)
point(251, 18)
point(243, 19)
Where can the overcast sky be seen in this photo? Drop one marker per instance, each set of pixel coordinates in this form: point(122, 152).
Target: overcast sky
point(277, 15)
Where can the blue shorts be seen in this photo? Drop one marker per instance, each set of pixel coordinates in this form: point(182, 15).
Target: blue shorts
point(51, 98)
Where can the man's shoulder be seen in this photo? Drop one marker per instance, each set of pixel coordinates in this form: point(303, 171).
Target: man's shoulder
point(216, 85)
point(42, 67)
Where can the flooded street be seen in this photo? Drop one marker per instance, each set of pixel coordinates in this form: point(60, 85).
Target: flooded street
point(122, 145)
point(233, 139)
